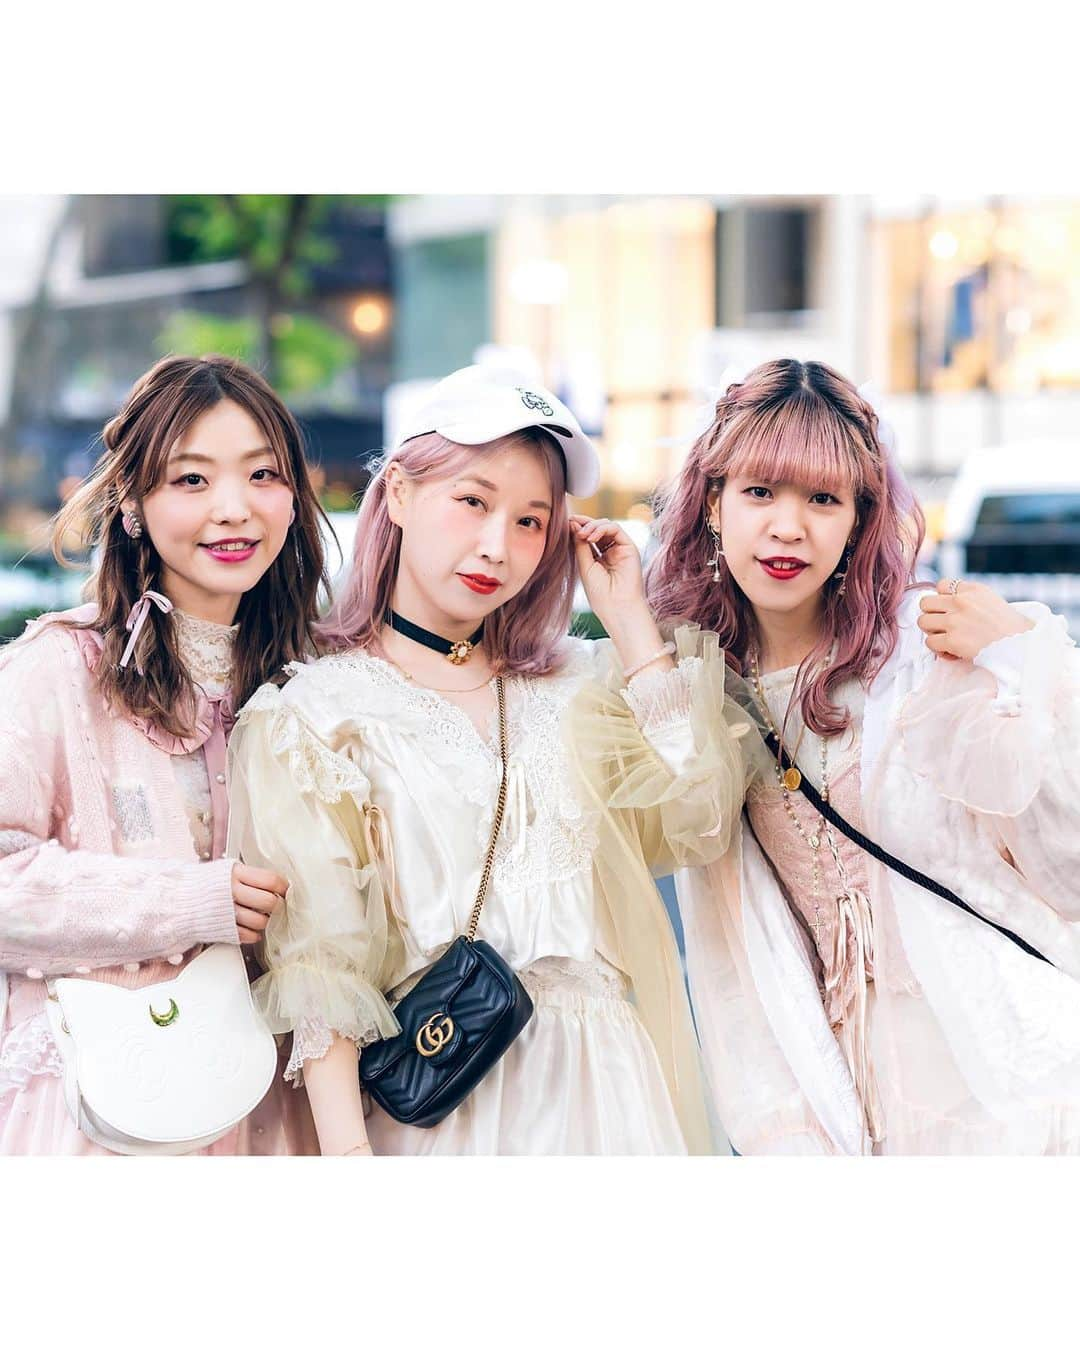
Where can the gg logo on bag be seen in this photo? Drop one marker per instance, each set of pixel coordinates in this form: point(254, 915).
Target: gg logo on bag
point(535, 403)
point(434, 1035)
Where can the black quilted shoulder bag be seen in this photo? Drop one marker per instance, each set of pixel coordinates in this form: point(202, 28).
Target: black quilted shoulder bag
point(458, 1020)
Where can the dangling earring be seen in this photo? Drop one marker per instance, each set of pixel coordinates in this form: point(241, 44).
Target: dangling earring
point(841, 576)
point(718, 552)
point(132, 524)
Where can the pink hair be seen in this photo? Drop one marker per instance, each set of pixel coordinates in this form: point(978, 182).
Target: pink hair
point(795, 422)
point(522, 637)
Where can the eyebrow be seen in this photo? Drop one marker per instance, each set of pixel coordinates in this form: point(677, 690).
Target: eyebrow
point(208, 459)
point(491, 487)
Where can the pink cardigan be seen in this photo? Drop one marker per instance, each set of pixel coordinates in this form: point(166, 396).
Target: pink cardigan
point(98, 872)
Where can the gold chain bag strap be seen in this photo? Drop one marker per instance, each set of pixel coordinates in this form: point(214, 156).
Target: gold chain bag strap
point(459, 1019)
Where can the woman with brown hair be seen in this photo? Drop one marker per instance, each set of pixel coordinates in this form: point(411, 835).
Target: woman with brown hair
point(114, 718)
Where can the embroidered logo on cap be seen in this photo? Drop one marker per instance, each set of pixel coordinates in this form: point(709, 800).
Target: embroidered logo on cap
point(535, 403)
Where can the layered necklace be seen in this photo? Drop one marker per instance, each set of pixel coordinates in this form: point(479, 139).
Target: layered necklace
point(457, 653)
point(852, 914)
point(790, 781)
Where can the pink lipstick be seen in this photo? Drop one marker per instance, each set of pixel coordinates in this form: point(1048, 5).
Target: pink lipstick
point(231, 550)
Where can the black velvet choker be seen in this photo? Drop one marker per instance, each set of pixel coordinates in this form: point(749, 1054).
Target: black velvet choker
point(457, 653)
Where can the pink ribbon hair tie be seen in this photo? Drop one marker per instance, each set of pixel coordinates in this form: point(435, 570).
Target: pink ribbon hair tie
point(137, 618)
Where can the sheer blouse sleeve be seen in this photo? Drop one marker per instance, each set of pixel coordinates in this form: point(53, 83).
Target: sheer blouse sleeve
point(302, 808)
point(1001, 735)
point(670, 752)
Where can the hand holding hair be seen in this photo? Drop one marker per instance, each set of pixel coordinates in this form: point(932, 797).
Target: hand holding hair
point(610, 568)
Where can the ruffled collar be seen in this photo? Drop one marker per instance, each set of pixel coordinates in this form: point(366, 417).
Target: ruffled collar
point(213, 700)
point(206, 649)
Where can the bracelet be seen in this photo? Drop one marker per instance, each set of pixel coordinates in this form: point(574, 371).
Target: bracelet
point(668, 649)
point(358, 1148)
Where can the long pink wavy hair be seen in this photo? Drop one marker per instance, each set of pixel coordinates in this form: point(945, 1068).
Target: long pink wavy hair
point(523, 636)
point(795, 422)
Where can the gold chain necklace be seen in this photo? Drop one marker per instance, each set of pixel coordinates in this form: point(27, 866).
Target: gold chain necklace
point(789, 782)
point(790, 778)
point(472, 689)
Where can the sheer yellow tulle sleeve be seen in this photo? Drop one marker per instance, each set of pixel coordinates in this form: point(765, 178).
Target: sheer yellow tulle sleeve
point(302, 809)
point(668, 791)
point(672, 754)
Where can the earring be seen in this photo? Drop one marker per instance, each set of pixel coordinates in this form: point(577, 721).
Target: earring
point(718, 552)
point(841, 576)
point(132, 524)
point(292, 515)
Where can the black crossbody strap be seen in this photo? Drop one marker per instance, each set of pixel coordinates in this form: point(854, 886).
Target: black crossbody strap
point(876, 851)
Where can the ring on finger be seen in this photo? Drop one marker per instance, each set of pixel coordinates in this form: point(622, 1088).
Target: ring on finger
point(954, 585)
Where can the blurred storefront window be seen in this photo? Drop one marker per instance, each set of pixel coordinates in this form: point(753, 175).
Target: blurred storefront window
point(442, 305)
point(613, 295)
point(984, 298)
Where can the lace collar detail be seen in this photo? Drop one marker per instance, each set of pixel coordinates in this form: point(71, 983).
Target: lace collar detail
point(546, 836)
point(206, 649)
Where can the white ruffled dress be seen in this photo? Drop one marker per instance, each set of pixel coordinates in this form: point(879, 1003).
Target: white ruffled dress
point(376, 798)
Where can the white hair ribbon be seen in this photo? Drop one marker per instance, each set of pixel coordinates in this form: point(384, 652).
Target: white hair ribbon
point(870, 393)
point(137, 618)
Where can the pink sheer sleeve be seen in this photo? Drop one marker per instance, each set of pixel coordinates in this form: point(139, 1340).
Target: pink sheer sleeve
point(1001, 736)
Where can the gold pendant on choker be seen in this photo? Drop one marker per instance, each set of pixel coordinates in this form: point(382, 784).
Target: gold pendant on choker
point(459, 652)
point(792, 779)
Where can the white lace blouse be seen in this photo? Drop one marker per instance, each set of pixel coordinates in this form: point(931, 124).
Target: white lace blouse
point(206, 649)
point(376, 798)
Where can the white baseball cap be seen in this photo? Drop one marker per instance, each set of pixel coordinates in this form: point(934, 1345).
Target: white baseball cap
point(478, 404)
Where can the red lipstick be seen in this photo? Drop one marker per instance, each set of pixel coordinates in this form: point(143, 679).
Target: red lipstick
point(481, 584)
point(783, 569)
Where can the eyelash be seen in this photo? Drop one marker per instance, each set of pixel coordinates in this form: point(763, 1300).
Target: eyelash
point(479, 502)
point(182, 481)
point(833, 501)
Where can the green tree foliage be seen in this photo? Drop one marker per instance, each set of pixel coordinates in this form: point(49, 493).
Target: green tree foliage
point(281, 238)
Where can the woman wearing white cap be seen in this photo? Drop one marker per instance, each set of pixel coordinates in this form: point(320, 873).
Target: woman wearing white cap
point(427, 754)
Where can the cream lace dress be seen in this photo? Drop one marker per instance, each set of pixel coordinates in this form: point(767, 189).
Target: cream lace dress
point(376, 798)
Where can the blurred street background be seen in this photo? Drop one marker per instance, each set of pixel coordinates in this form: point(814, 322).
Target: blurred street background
point(636, 310)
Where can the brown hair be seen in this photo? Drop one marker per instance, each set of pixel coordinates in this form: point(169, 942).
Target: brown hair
point(276, 617)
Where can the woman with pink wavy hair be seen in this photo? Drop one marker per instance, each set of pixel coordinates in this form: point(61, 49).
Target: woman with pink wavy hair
point(843, 1006)
point(375, 776)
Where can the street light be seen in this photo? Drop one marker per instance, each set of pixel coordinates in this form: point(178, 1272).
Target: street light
point(370, 315)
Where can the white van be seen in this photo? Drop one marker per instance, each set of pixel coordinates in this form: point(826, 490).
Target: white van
point(1012, 520)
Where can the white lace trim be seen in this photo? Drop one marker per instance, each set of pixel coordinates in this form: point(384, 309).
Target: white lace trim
point(546, 836)
point(28, 1050)
point(206, 649)
point(314, 767)
point(312, 1038)
point(662, 698)
point(556, 978)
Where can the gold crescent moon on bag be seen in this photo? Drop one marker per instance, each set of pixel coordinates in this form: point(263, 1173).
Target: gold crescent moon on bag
point(165, 1019)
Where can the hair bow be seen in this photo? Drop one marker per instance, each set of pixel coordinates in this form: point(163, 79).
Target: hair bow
point(870, 393)
point(137, 618)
